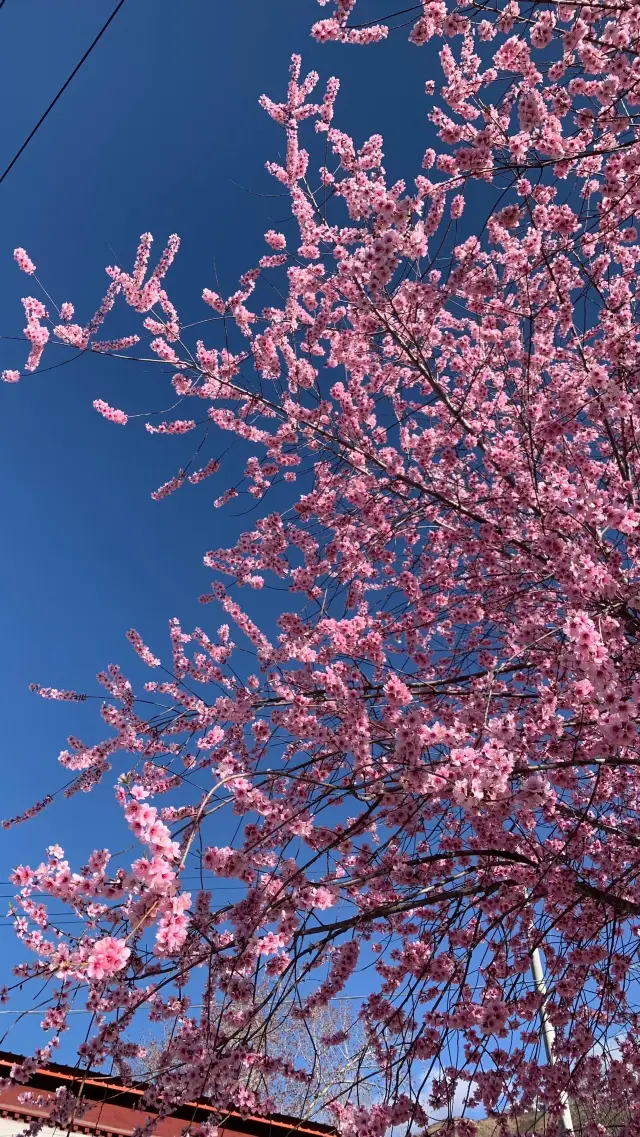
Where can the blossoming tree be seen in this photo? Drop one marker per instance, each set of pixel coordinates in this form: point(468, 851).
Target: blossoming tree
point(435, 759)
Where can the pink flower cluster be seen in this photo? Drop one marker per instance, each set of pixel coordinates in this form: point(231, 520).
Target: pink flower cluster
point(106, 958)
point(24, 261)
point(112, 414)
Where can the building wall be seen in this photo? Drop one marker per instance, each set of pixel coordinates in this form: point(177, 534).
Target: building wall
point(11, 1127)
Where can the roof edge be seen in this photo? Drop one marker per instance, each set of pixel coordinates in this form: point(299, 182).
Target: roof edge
point(106, 1089)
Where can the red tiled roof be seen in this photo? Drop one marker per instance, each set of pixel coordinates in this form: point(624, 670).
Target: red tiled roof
point(115, 1109)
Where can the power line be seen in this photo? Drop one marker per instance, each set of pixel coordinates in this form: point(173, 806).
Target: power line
point(192, 1007)
point(194, 882)
point(61, 91)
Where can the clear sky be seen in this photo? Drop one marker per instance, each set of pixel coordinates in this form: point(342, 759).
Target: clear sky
point(158, 132)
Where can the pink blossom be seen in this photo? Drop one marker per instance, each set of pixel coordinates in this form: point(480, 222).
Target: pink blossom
point(168, 487)
point(107, 957)
point(275, 240)
point(110, 413)
point(23, 261)
point(141, 649)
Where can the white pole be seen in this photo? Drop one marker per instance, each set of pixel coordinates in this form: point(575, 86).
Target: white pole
point(549, 1036)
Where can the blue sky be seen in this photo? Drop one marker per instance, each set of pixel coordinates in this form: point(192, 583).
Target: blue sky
point(158, 132)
